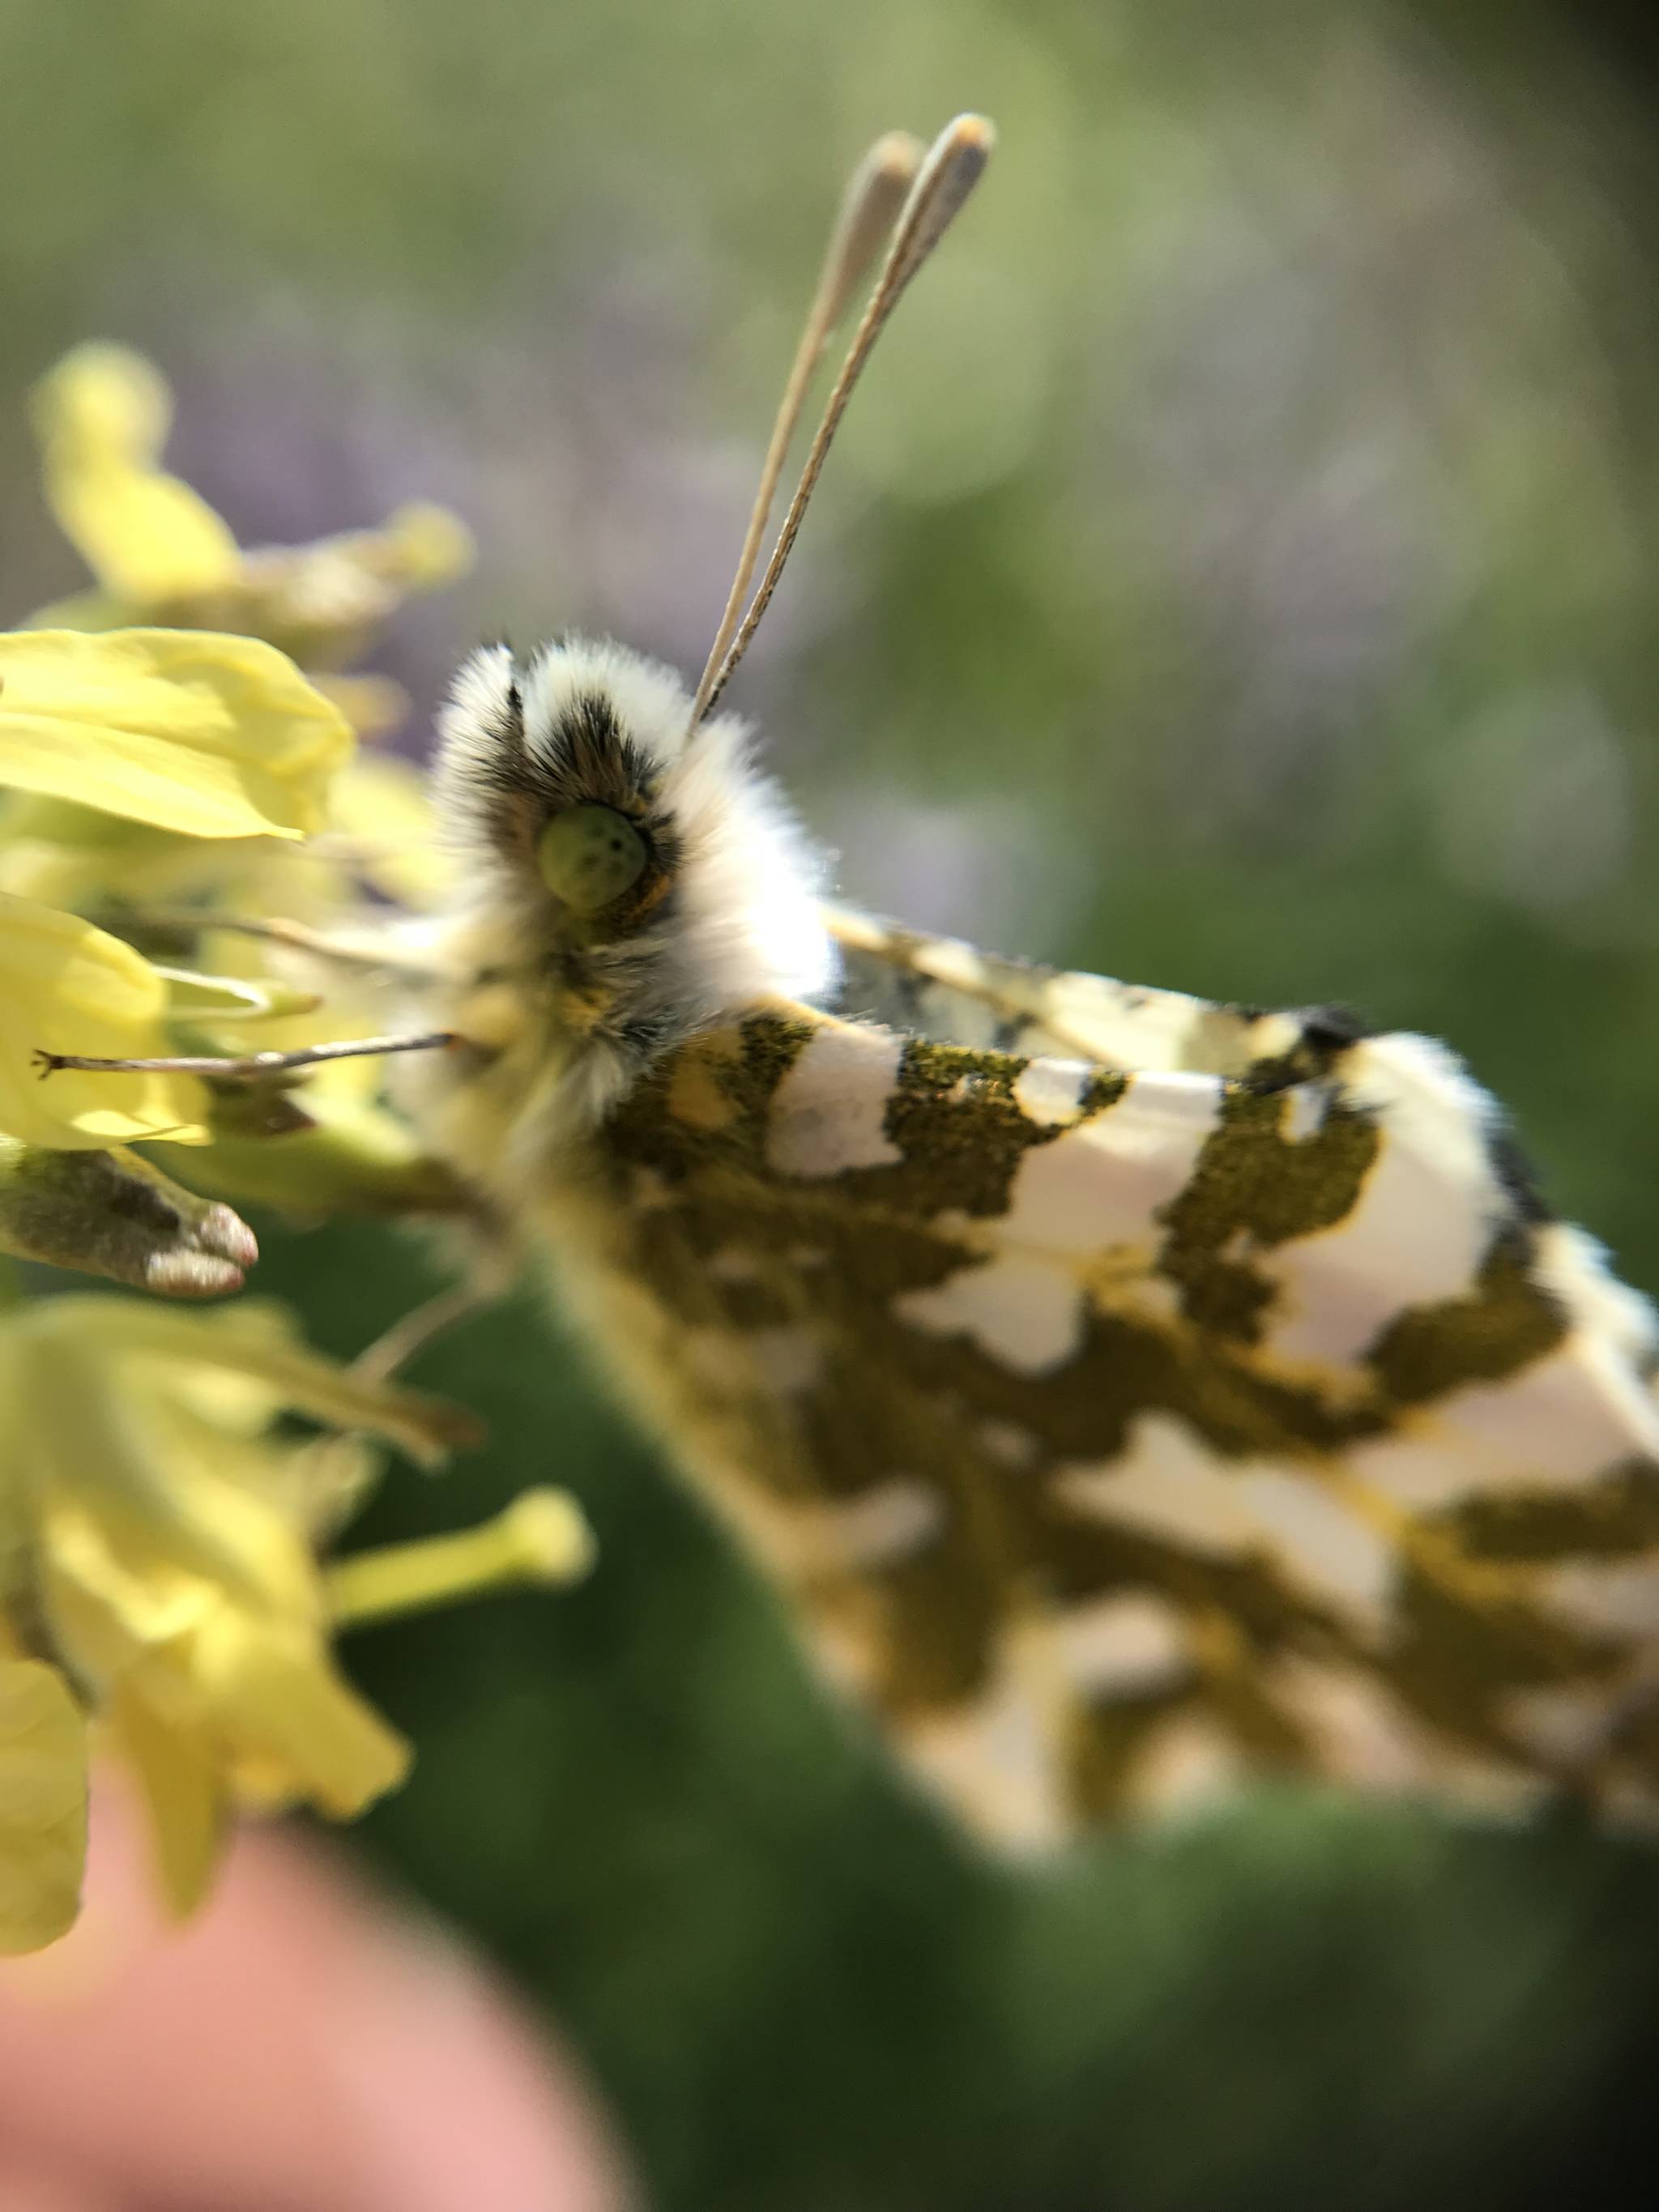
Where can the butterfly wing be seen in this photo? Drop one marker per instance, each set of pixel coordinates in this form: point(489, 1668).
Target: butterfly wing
point(940, 987)
point(1119, 1429)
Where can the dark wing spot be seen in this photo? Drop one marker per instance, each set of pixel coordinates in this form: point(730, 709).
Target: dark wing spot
point(1332, 1029)
point(1517, 1178)
point(1505, 1322)
point(1324, 1034)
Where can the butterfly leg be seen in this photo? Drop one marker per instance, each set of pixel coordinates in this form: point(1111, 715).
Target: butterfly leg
point(411, 1333)
point(337, 1461)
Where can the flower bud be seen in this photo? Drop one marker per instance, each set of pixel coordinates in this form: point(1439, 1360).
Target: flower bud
point(112, 1213)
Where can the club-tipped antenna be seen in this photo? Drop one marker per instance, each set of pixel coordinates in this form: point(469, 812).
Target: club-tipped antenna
point(949, 172)
point(870, 207)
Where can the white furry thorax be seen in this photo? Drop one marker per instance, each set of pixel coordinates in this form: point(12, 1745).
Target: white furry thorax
point(734, 914)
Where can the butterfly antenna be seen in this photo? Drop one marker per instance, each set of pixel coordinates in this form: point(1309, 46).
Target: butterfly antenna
point(951, 168)
point(870, 206)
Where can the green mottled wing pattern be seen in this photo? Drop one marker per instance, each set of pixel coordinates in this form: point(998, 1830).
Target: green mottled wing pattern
point(1149, 1393)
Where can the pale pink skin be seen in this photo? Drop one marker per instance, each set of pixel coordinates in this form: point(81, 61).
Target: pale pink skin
point(302, 2047)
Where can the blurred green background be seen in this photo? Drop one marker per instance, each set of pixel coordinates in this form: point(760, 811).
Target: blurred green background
point(1238, 573)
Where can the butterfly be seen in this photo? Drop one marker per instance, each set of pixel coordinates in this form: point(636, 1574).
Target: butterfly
point(1131, 1392)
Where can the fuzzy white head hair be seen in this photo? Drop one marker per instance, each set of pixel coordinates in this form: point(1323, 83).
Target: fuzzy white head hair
point(716, 889)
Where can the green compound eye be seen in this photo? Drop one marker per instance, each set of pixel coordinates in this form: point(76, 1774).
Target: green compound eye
point(589, 855)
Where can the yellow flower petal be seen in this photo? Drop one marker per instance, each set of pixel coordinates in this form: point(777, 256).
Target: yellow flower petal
point(166, 1545)
point(147, 537)
point(242, 1671)
point(80, 611)
point(107, 398)
point(102, 415)
point(43, 1805)
point(113, 1611)
point(192, 996)
point(384, 803)
point(35, 818)
point(354, 1157)
point(423, 545)
point(374, 705)
point(274, 1693)
point(256, 1341)
point(191, 731)
point(184, 1795)
point(69, 987)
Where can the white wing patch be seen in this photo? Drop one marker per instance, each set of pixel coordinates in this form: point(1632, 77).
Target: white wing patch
point(1560, 1424)
point(1613, 1598)
point(1574, 1267)
point(789, 1358)
point(1021, 1311)
point(829, 1113)
point(1340, 1557)
point(1164, 1483)
point(1052, 1090)
point(1191, 1764)
point(1104, 1184)
point(900, 1517)
point(1424, 1218)
point(1365, 1735)
point(1131, 1646)
point(1167, 1484)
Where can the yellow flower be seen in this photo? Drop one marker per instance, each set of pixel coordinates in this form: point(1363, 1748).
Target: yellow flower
point(159, 553)
point(379, 829)
point(43, 1805)
point(159, 1580)
point(320, 1152)
point(68, 988)
point(102, 416)
point(158, 776)
point(381, 805)
point(211, 736)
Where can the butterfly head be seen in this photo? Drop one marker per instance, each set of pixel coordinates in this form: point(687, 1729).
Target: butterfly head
point(641, 880)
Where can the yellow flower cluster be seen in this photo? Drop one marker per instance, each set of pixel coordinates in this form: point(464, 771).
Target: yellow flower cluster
point(168, 770)
point(158, 1584)
point(185, 771)
point(161, 555)
point(203, 735)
